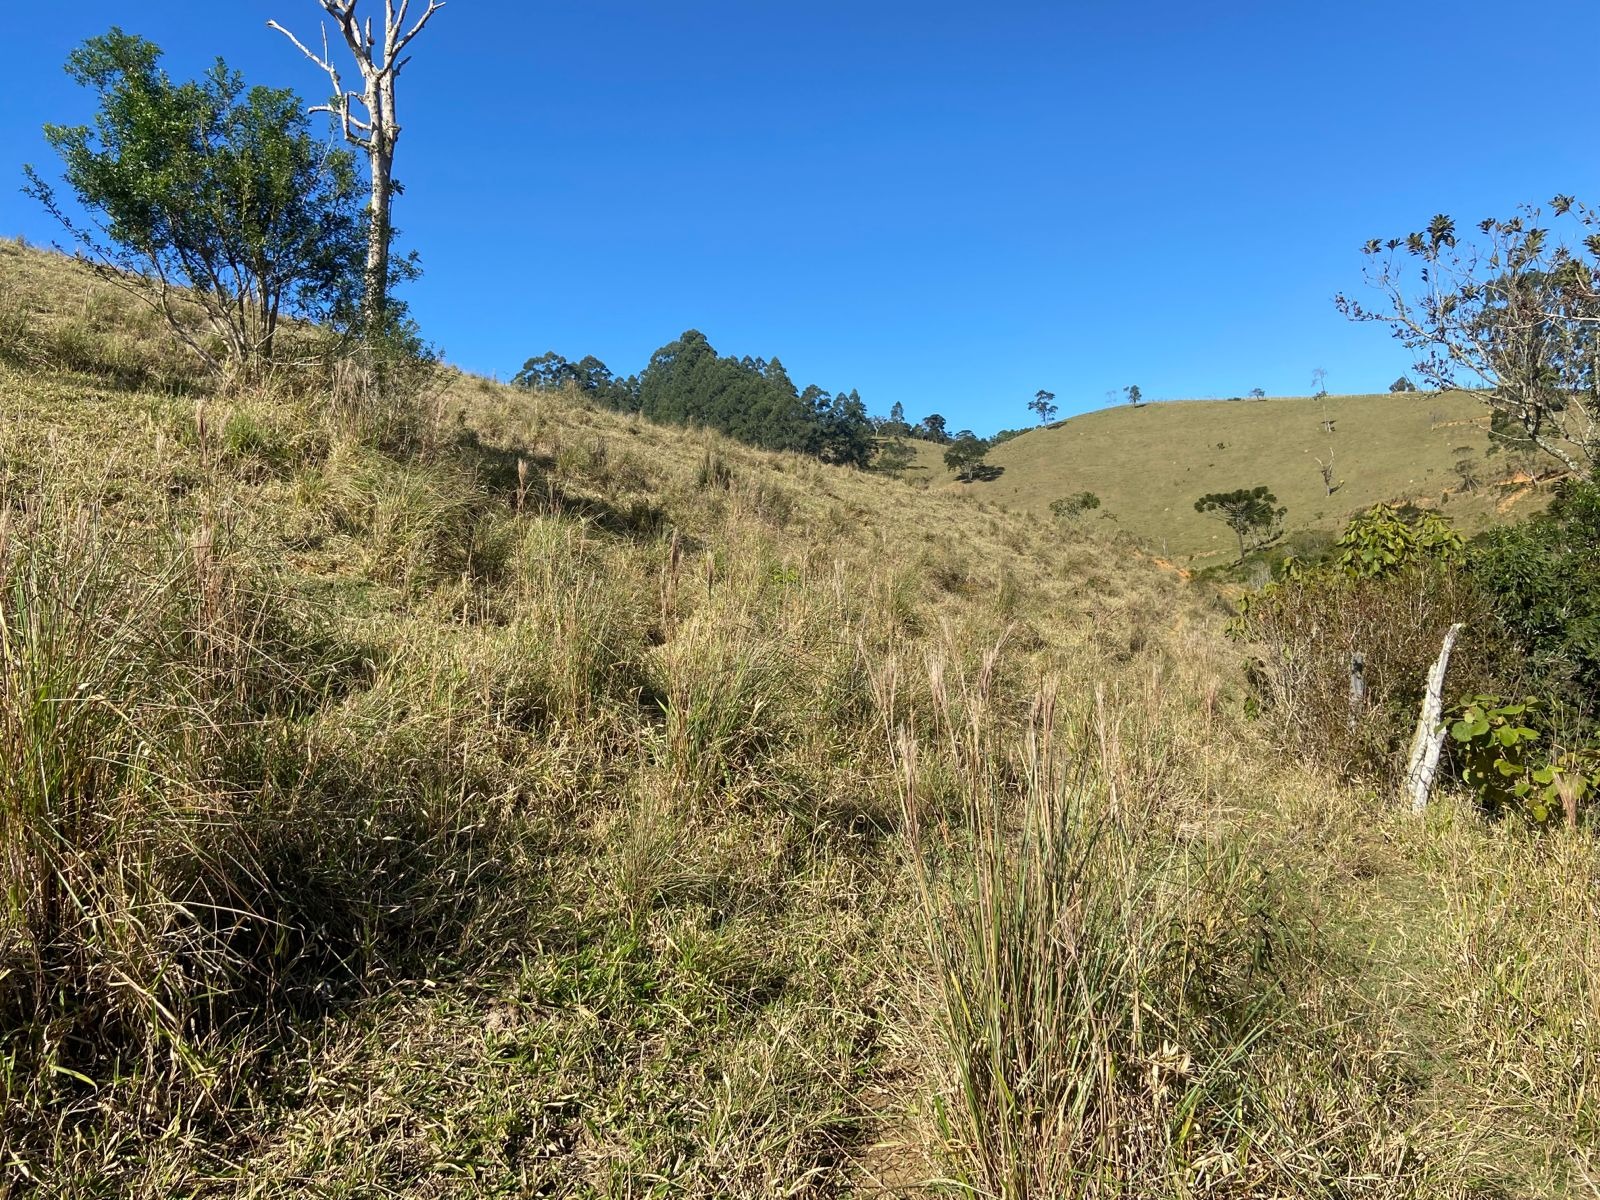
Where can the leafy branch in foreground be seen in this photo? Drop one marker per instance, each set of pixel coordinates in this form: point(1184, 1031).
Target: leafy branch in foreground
point(1513, 318)
point(205, 193)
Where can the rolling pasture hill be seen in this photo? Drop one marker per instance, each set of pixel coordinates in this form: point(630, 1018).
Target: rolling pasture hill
point(416, 786)
point(1149, 464)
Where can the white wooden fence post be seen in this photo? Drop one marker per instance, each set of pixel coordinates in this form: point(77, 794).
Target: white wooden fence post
point(1428, 741)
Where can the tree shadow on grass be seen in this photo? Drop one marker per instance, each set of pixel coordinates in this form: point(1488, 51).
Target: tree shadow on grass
point(640, 519)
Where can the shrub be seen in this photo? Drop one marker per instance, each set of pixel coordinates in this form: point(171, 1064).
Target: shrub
point(1542, 579)
point(1070, 508)
point(1311, 628)
point(1390, 593)
point(1497, 748)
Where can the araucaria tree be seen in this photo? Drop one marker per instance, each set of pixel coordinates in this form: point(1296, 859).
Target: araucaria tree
point(1250, 512)
point(1513, 317)
point(1043, 403)
point(205, 199)
point(375, 128)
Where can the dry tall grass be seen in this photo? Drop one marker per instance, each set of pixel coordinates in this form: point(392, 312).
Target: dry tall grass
point(511, 798)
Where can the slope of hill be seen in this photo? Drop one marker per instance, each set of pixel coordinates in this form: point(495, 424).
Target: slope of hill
point(1149, 464)
point(453, 793)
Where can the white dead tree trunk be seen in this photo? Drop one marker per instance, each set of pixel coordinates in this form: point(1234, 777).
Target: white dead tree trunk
point(1428, 741)
point(380, 61)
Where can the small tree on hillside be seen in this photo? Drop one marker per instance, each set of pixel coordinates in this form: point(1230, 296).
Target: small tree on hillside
point(1250, 512)
point(933, 428)
point(1513, 318)
point(1258, 393)
point(1468, 470)
point(1135, 396)
point(893, 456)
point(208, 194)
point(965, 455)
point(1330, 482)
point(1070, 508)
point(1403, 384)
point(1043, 403)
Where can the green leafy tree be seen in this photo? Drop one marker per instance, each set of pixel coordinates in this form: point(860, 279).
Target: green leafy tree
point(893, 456)
point(1070, 508)
point(965, 456)
point(751, 399)
point(206, 193)
point(549, 370)
point(842, 431)
point(1543, 577)
point(1135, 396)
point(1403, 384)
point(933, 428)
point(1043, 403)
point(1258, 393)
point(1249, 512)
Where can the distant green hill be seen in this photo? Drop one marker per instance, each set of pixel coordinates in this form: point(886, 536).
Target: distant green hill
point(1149, 464)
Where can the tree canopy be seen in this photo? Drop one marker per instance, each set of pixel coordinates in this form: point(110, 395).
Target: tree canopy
point(965, 455)
point(211, 187)
point(1250, 512)
point(1512, 316)
point(687, 382)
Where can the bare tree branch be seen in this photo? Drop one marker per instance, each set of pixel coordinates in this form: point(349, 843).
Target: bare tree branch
point(1514, 320)
point(378, 132)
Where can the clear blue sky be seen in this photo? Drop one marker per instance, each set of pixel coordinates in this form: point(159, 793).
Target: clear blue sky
point(946, 205)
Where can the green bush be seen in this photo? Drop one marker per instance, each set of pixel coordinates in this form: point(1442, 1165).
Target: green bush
point(1543, 580)
point(1496, 748)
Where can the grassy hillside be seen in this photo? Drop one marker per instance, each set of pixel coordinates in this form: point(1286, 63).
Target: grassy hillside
point(455, 793)
point(1149, 464)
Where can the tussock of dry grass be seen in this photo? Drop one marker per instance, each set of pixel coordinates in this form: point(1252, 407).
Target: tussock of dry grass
point(501, 797)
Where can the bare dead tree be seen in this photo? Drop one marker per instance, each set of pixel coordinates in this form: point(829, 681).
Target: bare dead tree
point(375, 128)
point(1329, 484)
point(1513, 320)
